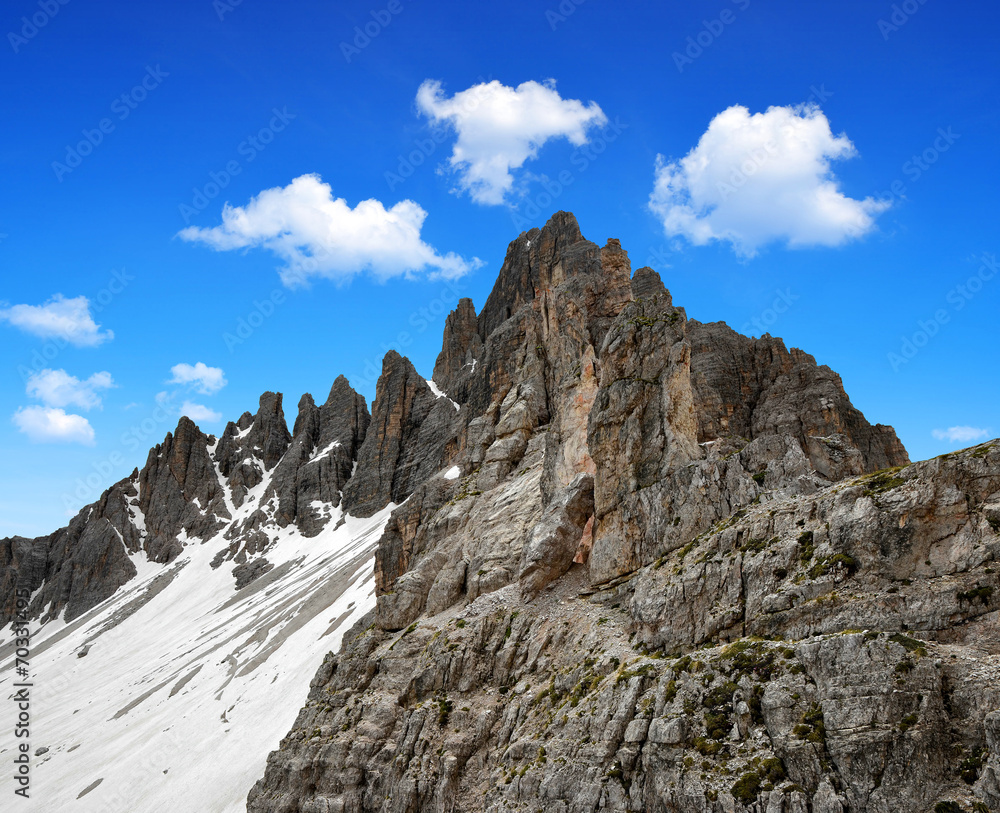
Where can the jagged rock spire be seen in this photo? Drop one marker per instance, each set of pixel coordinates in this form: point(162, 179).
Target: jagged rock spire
point(411, 431)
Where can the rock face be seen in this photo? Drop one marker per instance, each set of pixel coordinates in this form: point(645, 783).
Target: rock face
point(320, 459)
point(755, 387)
point(409, 439)
point(462, 346)
point(673, 568)
point(558, 538)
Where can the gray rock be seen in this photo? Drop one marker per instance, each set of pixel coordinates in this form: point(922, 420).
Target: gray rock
point(555, 540)
point(251, 571)
point(320, 458)
point(412, 435)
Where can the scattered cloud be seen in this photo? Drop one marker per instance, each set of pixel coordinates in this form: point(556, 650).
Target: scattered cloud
point(59, 318)
point(49, 425)
point(961, 434)
point(319, 235)
point(762, 178)
point(200, 413)
point(56, 388)
point(202, 378)
point(500, 127)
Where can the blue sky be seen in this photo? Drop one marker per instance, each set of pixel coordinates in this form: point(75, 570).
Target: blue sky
point(859, 228)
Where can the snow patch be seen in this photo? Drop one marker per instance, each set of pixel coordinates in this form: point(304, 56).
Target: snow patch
point(325, 452)
point(197, 672)
point(437, 392)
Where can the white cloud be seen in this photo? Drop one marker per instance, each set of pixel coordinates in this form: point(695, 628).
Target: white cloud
point(200, 412)
point(59, 318)
point(48, 425)
point(753, 180)
point(206, 380)
point(500, 127)
point(961, 434)
point(319, 235)
point(56, 388)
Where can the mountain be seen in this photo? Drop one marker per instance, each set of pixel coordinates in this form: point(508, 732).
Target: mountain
point(607, 558)
point(177, 620)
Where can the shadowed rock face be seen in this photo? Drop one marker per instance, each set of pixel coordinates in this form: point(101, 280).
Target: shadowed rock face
point(754, 387)
point(253, 446)
point(412, 435)
point(320, 459)
point(462, 346)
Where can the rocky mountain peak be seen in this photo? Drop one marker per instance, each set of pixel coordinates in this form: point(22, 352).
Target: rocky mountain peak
point(678, 557)
point(673, 529)
point(411, 435)
point(461, 347)
point(192, 488)
point(320, 458)
point(535, 259)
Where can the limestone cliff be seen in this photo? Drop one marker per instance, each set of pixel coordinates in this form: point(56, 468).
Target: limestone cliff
point(649, 564)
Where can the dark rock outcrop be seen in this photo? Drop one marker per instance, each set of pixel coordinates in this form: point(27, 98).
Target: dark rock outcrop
point(178, 491)
point(253, 446)
point(77, 567)
point(320, 459)
point(411, 436)
point(753, 387)
point(461, 348)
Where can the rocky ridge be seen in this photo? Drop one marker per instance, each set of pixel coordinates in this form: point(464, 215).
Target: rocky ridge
point(192, 487)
